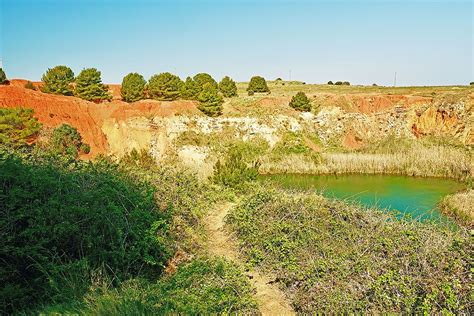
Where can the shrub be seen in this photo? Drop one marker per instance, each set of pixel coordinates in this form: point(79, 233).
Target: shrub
point(164, 86)
point(234, 172)
point(63, 228)
point(471, 83)
point(278, 79)
point(227, 87)
point(17, 126)
point(330, 82)
point(58, 80)
point(338, 83)
point(300, 102)
point(66, 140)
point(210, 102)
point(89, 86)
point(190, 89)
point(346, 83)
point(257, 84)
point(202, 78)
point(30, 85)
point(133, 86)
point(334, 257)
point(374, 85)
point(3, 77)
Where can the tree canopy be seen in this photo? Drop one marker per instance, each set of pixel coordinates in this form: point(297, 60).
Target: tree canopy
point(210, 102)
point(133, 87)
point(300, 102)
point(164, 86)
point(3, 77)
point(17, 126)
point(257, 84)
point(57, 80)
point(190, 89)
point(228, 87)
point(89, 86)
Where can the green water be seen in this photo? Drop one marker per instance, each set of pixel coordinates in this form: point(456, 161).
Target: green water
point(408, 196)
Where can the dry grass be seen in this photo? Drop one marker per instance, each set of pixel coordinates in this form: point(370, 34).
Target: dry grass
point(434, 161)
point(460, 206)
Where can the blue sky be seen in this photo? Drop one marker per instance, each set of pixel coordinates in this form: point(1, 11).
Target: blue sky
point(425, 42)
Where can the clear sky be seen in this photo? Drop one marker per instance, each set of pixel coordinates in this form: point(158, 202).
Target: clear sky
point(364, 42)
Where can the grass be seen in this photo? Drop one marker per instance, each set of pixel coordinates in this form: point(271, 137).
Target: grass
point(330, 256)
point(460, 206)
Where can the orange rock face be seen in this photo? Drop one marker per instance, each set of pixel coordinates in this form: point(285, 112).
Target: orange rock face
point(87, 117)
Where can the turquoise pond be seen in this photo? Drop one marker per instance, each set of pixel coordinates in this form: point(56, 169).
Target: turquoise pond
point(408, 196)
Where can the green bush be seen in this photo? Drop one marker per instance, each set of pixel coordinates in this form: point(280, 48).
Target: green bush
point(471, 83)
point(257, 84)
point(210, 102)
point(300, 102)
point(228, 87)
point(133, 87)
point(17, 126)
point(202, 79)
point(58, 80)
point(89, 86)
point(330, 82)
point(164, 86)
point(338, 83)
point(64, 228)
point(190, 89)
point(66, 140)
point(234, 172)
point(346, 83)
point(334, 257)
point(3, 77)
point(201, 287)
point(30, 85)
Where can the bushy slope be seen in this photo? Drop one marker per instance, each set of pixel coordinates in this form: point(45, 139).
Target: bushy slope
point(330, 256)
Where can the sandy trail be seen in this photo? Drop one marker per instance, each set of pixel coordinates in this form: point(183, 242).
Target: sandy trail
point(270, 299)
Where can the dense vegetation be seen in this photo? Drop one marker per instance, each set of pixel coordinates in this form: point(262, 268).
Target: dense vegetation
point(210, 101)
point(300, 102)
point(164, 86)
point(89, 86)
point(57, 80)
point(133, 87)
point(330, 256)
point(3, 77)
point(234, 171)
point(66, 141)
point(257, 84)
point(227, 87)
point(17, 126)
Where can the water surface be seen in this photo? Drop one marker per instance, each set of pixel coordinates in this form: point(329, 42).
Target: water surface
point(409, 196)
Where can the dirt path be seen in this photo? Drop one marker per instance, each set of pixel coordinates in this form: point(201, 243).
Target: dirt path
point(270, 299)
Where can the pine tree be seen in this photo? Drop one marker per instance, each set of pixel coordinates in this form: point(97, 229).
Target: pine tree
point(210, 102)
point(164, 86)
point(58, 80)
point(133, 87)
point(89, 86)
point(257, 84)
point(228, 87)
point(300, 102)
point(3, 77)
point(202, 78)
point(190, 89)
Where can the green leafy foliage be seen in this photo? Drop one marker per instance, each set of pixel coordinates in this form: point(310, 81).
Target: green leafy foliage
point(210, 102)
point(338, 83)
point(66, 140)
point(3, 77)
point(66, 227)
point(201, 287)
point(30, 85)
point(190, 89)
point(57, 80)
point(346, 83)
point(300, 102)
point(133, 87)
point(227, 87)
point(202, 79)
point(89, 86)
point(234, 172)
point(332, 256)
point(257, 84)
point(164, 86)
point(330, 82)
point(17, 126)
